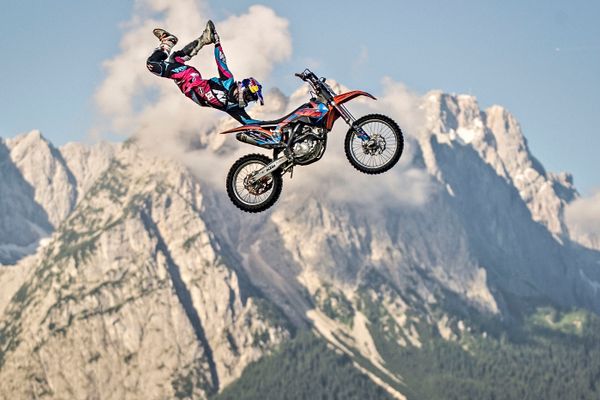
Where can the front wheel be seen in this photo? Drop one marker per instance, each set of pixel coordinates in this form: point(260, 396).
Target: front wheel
point(383, 149)
point(257, 196)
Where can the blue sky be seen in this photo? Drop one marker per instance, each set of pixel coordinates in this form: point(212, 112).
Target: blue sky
point(538, 59)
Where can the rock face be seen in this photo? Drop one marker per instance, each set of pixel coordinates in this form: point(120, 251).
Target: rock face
point(152, 285)
point(496, 136)
point(23, 220)
point(40, 188)
point(133, 298)
point(512, 209)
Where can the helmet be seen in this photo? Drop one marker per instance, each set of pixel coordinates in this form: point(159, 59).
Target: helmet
point(251, 90)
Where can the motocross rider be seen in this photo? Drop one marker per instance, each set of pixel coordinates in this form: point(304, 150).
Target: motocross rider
point(222, 93)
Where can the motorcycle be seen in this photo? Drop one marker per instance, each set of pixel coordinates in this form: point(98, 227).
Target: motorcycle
point(373, 144)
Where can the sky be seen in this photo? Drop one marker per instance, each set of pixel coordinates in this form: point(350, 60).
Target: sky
point(540, 60)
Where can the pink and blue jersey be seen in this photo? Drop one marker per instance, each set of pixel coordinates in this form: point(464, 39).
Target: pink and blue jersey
point(217, 92)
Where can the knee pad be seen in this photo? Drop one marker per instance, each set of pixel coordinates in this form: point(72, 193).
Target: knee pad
point(154, 67)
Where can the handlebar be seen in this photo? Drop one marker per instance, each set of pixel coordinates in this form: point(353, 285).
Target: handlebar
point(304, 75)
point(317, 84)
point(307, 74)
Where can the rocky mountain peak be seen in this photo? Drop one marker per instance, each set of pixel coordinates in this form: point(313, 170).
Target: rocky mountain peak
point(457, 116)
point(44, 168)
point(42, 185)
point(497, 137)
point(28, 139)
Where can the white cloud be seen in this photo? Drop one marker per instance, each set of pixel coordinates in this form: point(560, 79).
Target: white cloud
point(134, 101)
point(583, 218)
point(405, 106)
point(333, 177)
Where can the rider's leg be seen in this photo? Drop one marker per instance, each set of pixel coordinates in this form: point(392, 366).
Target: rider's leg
point(166, 64)
point(167, 40)
point(224, 72)
point(159, 62)
point(208, 36)
point(172, 65)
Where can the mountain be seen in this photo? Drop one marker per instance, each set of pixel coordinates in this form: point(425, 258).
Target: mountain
point(131, 285)
point(39, 188)
point(136, 278)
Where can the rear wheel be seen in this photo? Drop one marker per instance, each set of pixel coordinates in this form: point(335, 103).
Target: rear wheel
point(257, 196)
point(382, 151)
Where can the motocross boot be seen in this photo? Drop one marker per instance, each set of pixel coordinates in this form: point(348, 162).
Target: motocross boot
point(208, 36)
point(167, 40)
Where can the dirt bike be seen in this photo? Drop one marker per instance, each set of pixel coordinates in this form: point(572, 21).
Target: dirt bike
point(373, 144)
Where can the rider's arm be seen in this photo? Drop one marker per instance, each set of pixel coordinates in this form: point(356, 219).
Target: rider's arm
point(241, 116)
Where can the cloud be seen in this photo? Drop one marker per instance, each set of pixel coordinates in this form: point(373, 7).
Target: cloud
point(583, 219)
point(404, 105)
point(133, 101)
point(334, 178)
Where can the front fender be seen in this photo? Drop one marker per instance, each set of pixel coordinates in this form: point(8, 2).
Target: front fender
point(344, 97)
point(333, 114)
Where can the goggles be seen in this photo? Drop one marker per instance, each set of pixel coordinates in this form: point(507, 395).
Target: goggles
point(253, 88)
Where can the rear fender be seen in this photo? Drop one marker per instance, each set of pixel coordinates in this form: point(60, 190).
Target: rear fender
point(244, 128)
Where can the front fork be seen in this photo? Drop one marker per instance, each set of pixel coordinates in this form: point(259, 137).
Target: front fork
point(351, 121)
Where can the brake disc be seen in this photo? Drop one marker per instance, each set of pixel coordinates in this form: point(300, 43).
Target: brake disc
point(375, 145)
point(259, 187)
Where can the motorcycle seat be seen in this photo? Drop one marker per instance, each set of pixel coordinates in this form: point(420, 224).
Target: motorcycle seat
point(279, 120)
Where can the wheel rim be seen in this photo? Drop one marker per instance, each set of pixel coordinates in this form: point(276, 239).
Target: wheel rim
point(251, 195)
point(378, 151)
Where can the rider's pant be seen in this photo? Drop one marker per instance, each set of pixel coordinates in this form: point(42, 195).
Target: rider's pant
point(189, 79)
point(159, 63)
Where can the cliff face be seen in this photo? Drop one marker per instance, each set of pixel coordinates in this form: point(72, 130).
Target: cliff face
point(131, 297)
point(40, 187)
point(496, 136)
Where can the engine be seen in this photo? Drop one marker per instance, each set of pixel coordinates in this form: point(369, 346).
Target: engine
point(309, 146)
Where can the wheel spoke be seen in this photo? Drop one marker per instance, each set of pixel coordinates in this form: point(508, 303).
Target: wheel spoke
point(384, 135)
point(240, 189)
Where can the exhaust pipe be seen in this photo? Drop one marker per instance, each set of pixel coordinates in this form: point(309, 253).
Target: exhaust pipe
point(254, 139)
point(245, 138)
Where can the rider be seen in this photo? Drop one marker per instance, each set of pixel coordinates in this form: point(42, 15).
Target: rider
point(222, 93)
